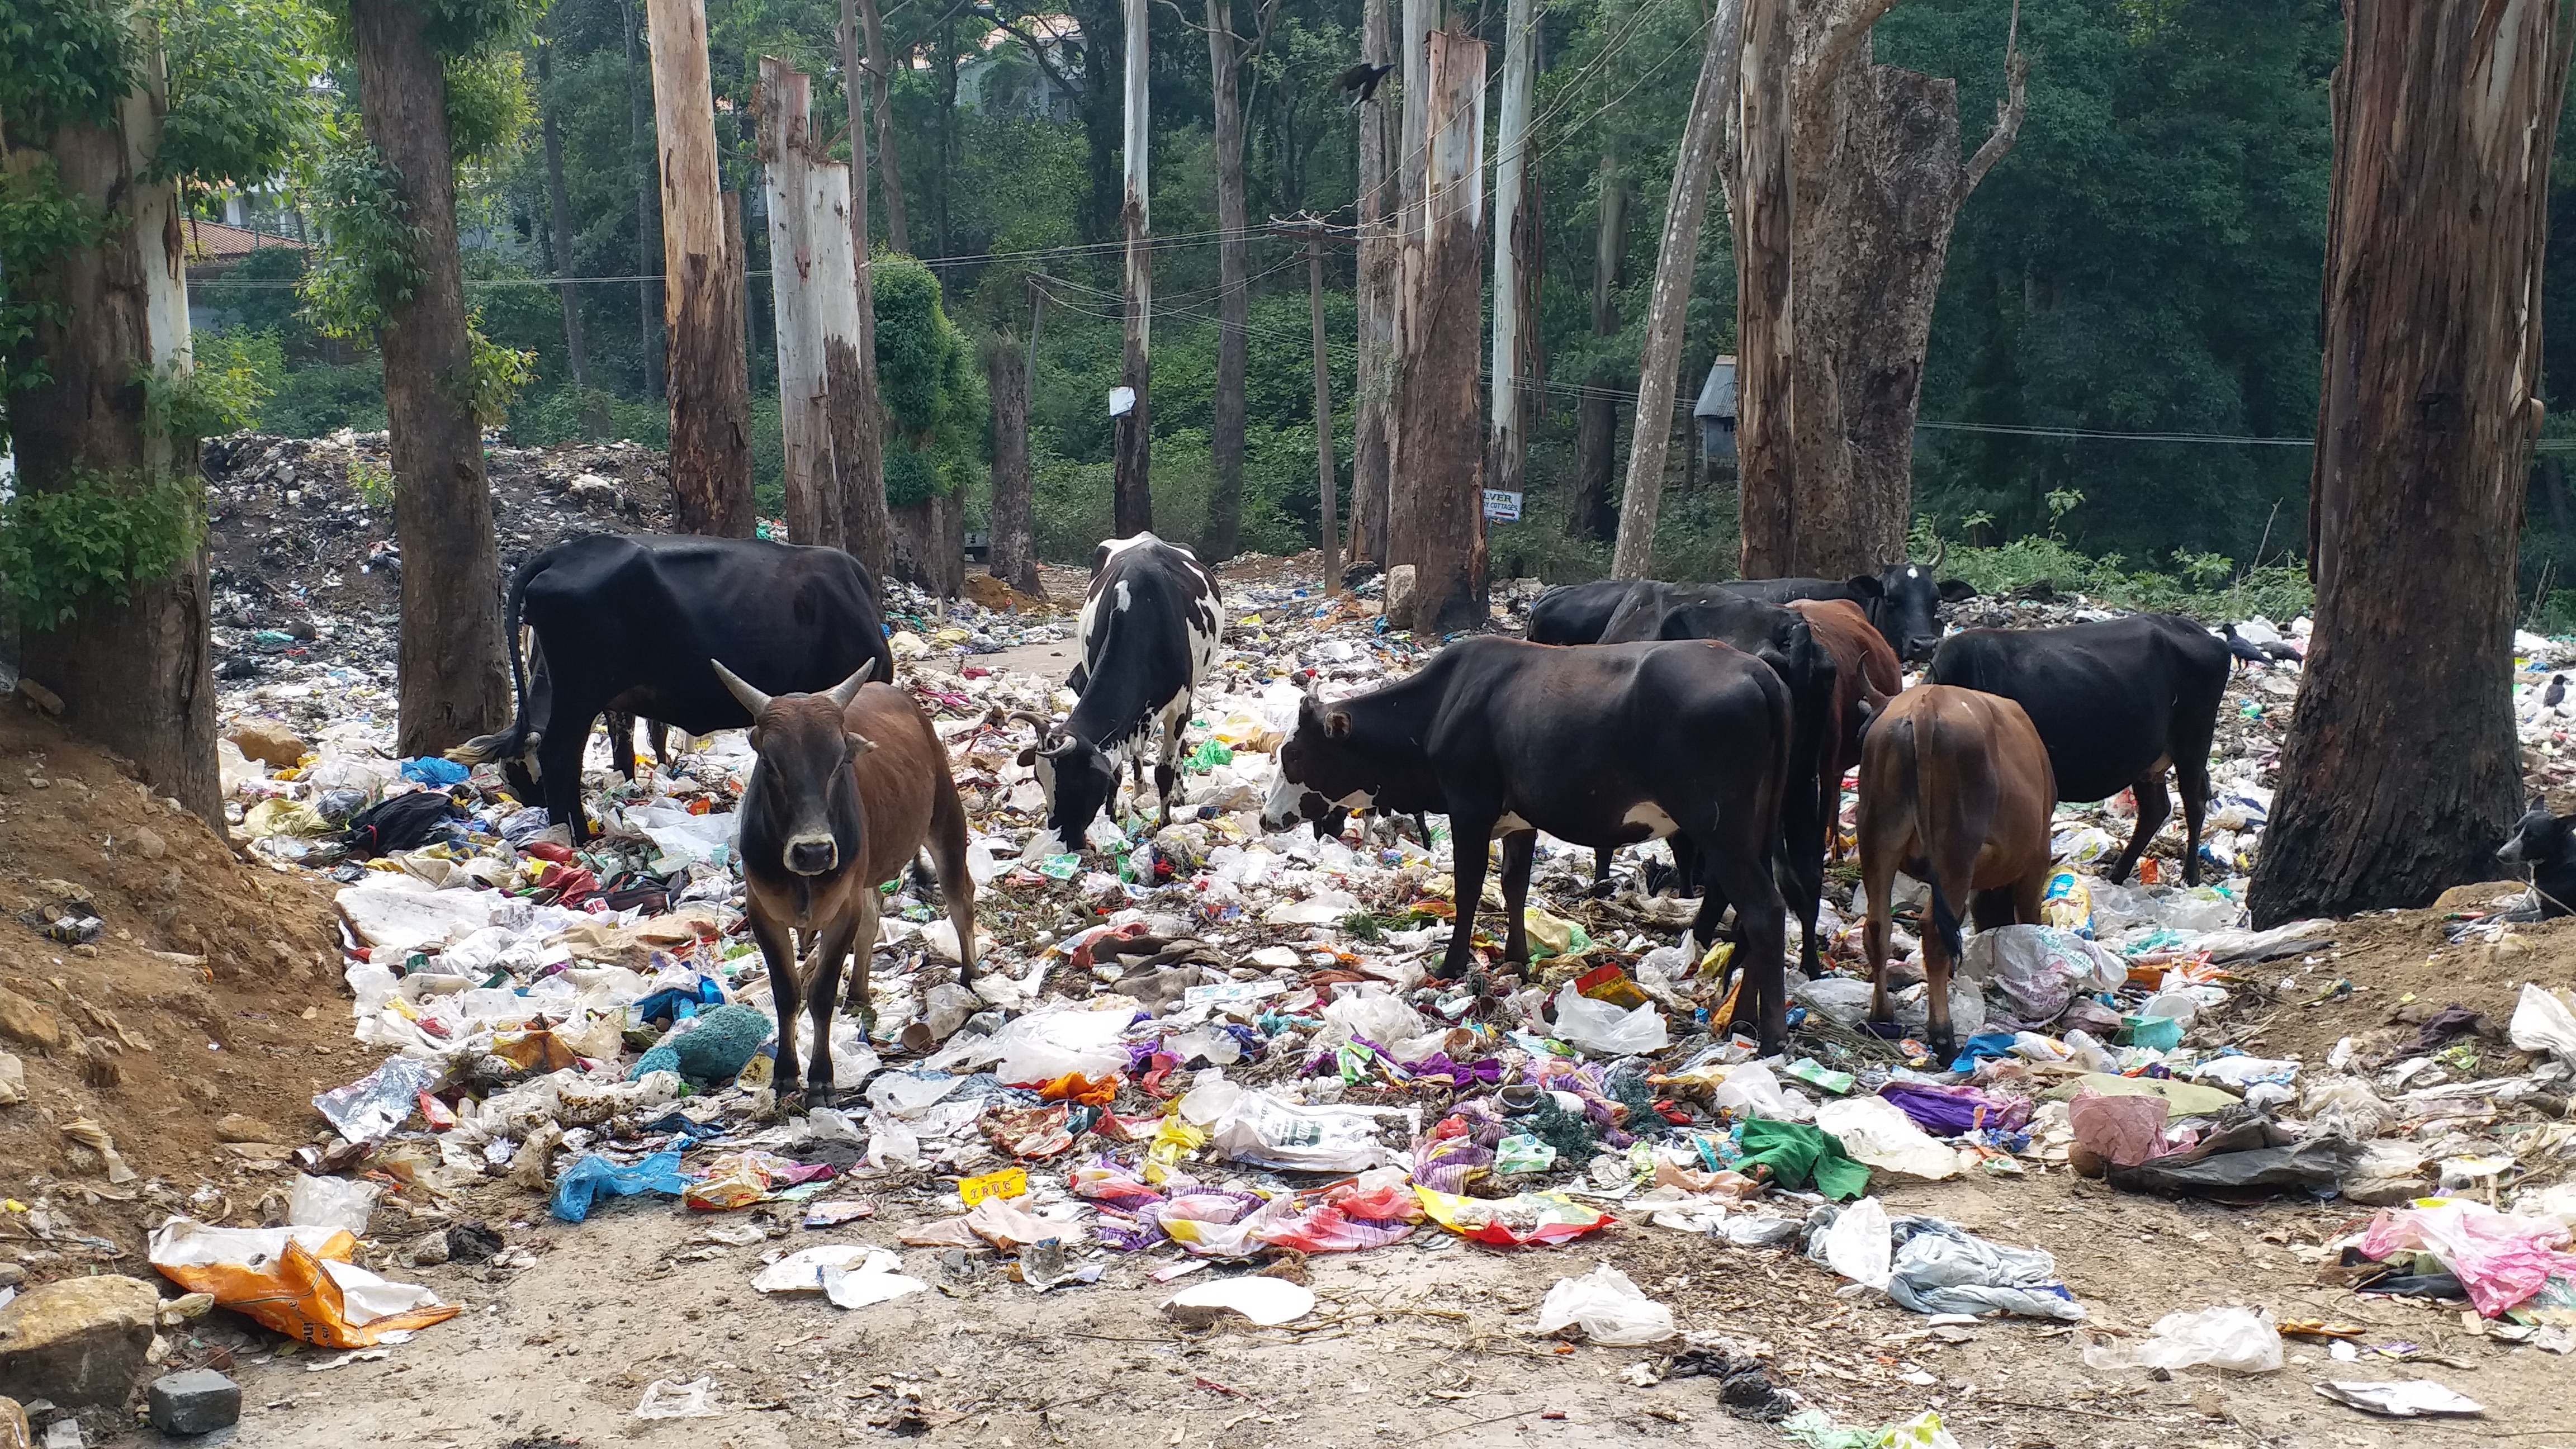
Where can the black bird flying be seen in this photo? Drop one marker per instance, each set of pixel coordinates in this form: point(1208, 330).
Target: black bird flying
point(1362, 81)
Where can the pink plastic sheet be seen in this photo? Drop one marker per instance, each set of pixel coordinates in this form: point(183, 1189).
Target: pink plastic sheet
point(2500, 1259)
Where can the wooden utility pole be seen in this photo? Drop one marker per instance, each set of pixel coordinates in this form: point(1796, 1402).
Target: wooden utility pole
point(889, 164)
point(1515, 256)
point(2401, 768)
point(1440, 468)
point(710, 405)
point(1013, 557)
point(1765, 366)
point(1676, 259)
point(1132, 503)
point(858, 419)
point(1225, 504)
point(1376, 308)
point(796, 214)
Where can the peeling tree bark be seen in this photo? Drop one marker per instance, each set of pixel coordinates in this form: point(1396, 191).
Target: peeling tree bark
point(889, 163)
point(796, 216)
point(710, 402)
point(858, 415)
point(1765, 441)
point(453, 680)
point(1225, 505)
point(1596, 413)
point(1880, 181)
point(1376, 306)
point(135, 672)
point(1439, 480)
point(1132, 503)
point(1014, 555)
point(2399, 775)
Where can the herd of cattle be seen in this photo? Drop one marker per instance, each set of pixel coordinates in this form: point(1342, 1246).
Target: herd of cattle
point(1719, 718)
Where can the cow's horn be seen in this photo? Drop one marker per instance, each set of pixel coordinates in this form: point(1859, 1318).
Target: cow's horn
point(1940, 550)
point(1037, 722)
point(752, 699)
point(848, 689)
point(1056, 749)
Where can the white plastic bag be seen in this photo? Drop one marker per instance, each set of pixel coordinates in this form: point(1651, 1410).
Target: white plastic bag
point(664, 1399)
point(1859, 1244)
point(332, 1202)
point(1607, 1307)
point(1751, 1091)
point(1843, 1000)
point(1262, 1130)
point(1045, 1045)
point(1877, 1133)
point(2034, 971)
point(2542, 1023)
point(1602, 1029)
point(2237, 1340)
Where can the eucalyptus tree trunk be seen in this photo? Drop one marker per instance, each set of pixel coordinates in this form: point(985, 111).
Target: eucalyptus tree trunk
point(1596, 412)
point(648, 245)
point(889, 165)
point(1225, 505)
point(1376, 308)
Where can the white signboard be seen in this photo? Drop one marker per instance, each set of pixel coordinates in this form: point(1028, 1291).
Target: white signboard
point(1502, 507)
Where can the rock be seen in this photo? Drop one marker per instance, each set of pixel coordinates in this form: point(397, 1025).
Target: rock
point(14, 1433)
point(148, 842)
point(1399, 595)
point(39, 696)
point(268, 741)
point(234, 1127)
point(64, 1433)
point(2471, 897)
point(31, 1022)
point(78, 1342)
point(13, 1080)
point(199, 1401)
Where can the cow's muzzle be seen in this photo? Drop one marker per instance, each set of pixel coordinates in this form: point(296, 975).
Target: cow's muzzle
point(813, 854)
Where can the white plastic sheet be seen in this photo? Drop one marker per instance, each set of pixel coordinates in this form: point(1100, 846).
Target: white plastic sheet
point(1876, 1132)
point(1607, 1307)
point(1267, 1132)
point(1602, 1029)
point(2238, 1340)
point(1858, 1244)
point(2542, 1022)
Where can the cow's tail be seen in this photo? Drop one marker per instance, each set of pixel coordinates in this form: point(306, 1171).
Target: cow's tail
point(511, 743)
point(1928, 788)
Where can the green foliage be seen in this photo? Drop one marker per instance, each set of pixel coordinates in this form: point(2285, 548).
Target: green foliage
point(372, 481)
point(62, 62)
point(367, 265)
point(242, 104)
point(39, 222)
point(927, 380)
point(500, 374)
point(100, 534)
point(2208, 587)
point(316, 399)
point(214, 395)
point(491, 106)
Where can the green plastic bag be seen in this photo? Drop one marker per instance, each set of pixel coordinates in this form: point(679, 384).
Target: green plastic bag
point(1801, 1157)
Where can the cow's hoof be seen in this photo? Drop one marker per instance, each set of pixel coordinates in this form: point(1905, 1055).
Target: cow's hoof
point(1883, 1030)
point(821, 1096)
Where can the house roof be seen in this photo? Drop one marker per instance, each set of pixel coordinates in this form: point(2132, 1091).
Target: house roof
point(222, 244)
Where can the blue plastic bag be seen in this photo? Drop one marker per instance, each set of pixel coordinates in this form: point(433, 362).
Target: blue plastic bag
point(431, 770)
point(585, 1180)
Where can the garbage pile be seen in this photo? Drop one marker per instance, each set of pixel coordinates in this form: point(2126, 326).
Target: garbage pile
point(1196, 1042)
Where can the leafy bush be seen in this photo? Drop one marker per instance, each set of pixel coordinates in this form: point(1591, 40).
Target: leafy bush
point(319, 399)
point(102, 534)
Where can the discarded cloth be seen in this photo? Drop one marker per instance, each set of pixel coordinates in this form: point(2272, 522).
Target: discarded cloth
point(1940, 1267)
point(1801, 1157)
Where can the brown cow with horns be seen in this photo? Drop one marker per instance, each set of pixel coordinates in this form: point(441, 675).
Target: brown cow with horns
point(849, 785)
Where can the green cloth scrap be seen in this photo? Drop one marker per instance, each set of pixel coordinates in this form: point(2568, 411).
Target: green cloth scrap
point(1800, 1157)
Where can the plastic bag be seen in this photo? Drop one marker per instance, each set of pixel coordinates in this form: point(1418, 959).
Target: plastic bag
point(584, 1181)
point(332, 1202)
point(1601, 1029)
point(664, 1399)
point(1877, 1132)
point(1857, 1244)
point(2500, 1259)
point(1607, 1307)
point(1513, 1222)
point(1045, 1045)
point(370, 1108)
point(2236, 1340)
point(2032, 972)
point(2542, 1022)
point(2068, 904)
point(1749, 1090)
point(1940, 1267)
point(1843, 1000)
point(1267, 1132)
point(297, 1281)
point(2120, 1131)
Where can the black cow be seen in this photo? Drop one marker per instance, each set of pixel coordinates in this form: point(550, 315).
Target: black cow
point(631, 622)
point(2547, 844)
point(2117, 701)
point(1599, 747)
point(1780, 638)
point(1577, 613)
point(1149, 631)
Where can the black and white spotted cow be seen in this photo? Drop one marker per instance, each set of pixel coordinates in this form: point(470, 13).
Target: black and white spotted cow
point(1149, 631)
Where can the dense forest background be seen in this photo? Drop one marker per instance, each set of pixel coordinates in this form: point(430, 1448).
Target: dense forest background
point(2144, 263)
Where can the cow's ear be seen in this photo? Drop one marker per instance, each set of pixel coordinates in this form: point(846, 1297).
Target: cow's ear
point(1866, 585)
point(1337, 725)
point(858, 744)
point(1029, 756)
point(1957, 591)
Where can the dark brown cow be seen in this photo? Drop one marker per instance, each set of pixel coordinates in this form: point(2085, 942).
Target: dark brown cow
point(1956, 791)
point(848, 786)
point(1866, 677)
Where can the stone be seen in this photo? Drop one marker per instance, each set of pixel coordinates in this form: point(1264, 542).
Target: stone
point(79, 1341)
point(14, 1433)
point(234, 1127)
point(13, 1080)
point(64, 1433)
point(267, 741)
point(149, 843)
point(1399, 594)
point(39, 696)
point(31, 1022)
point(199, 1401)
point(2474, 897)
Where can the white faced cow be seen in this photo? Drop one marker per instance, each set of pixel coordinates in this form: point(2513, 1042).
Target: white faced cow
point(1149, 629)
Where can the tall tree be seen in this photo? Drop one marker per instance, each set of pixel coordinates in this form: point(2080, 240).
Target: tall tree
point(1439, 480)
point(1596, 412)
point(702, 302)
point(1132, 481)
point(1676, 259)
point(1880, 182)
point(454, 684)
point(1014, 555)
point(1765, 373)
point(1516, 262)
point(889, 164)
point(858, 412)
point(2400, 771)
point(1376, 306)
point(648, 246)
point(559, 225)
point(1225, 504)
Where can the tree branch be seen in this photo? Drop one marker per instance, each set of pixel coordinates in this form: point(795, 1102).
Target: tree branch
point(2008, 114)
point(1036, 51)
point(1845, 24)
